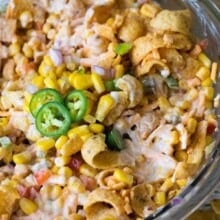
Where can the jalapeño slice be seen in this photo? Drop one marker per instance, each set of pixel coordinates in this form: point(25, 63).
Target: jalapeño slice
point(53, 119)
point(114, 140)
point(43, 96)
point(77, 103)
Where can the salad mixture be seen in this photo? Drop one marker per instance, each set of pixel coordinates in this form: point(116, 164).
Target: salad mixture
point(106, 108)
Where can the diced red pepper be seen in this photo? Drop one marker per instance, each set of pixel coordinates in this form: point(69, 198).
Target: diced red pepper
point(42, 176)
point(211, 128)
point(29, 192)
point(204, 44)
point(89, 182)
point(75, 163)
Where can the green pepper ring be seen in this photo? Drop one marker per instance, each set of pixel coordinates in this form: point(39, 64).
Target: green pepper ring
point(77, 103)
point(53, 119)
point(42, 97)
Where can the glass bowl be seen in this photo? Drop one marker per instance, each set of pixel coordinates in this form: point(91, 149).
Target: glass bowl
point(206, 20)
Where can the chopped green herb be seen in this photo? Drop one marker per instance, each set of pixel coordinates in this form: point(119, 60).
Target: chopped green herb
point(172, 82)
point(5, 142)
point(123, 48)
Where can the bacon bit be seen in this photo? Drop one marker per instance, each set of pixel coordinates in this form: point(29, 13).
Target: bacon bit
point(211, 128)
point(42, 176)
point(75, 163)
point(39, 26)
point(89, 182)
point(196, 51)
point(214, 70)
point(29, 192)
point(203, 43)
point(27, 67)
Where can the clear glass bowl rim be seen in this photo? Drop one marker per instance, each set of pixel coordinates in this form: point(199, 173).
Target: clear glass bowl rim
point(208, 177)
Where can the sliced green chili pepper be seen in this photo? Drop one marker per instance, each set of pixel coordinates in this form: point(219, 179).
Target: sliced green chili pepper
point(110, 86)
point(123, 48)
point(114, 140)
point(43, 96)
point(53, 119)
point(77, 104)
point(172, 82)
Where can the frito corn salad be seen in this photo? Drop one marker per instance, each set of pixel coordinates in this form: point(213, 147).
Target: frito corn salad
point(106, 108)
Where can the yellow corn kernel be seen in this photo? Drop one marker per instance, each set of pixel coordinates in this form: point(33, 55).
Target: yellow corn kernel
point(87, 170)
point(60, 69)
point(112, 46)
point(45, 144)
point(175, 137)
point(89, 119)
point(45, 192)
point(56, 192)
point(202, 57)
point(21, 158)
point(3, 121)
point(167, 184)
point(77, 187)
point(44, 69)
point(203, 73)
point(209, 92)
point(209, 139)
point(98, 83)
point(123, 177)
point(46, 28)
point(214, 71)
point(181, 182)
point(63, 85)
point(71, 66)
point(53, 19)
point(38, 81)
point(96, 128)
point(163, 103)
point(191, 125)
point(149, 10)
point(48, 61)
point(79, 131)
point(71, 78)
point(27, 50)
point(207, 82)
point(209, 104)
point(65, 171)
point(51, 83)
point(14, 49)
point(183, 104)
point(82, 81)
point(62, 161)
point(105, 105)
point(110, 21)
point(160, 198)
point(181, 155)
point(27, 206)
point(72, 146)
point(55, 169)
point(25, 18)
point(61, 141)
point(27, 100)
point(86, 137)
point(119, 71)
point(192, 94)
